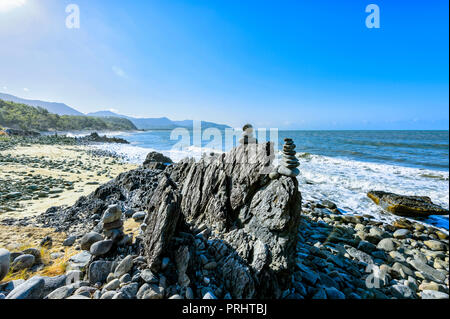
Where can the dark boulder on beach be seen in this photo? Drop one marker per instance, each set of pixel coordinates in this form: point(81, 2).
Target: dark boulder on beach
point(155, 160)
point(407, 206)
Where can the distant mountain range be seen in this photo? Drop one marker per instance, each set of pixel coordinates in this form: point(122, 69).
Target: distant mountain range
point(140, 123)
point(52, 107)
point(157, 123)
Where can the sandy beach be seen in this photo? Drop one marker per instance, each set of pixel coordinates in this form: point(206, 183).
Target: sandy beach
point(56, 175)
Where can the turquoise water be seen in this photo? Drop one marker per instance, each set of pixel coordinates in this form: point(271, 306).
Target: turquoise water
point(423, 149)
point(341, 166)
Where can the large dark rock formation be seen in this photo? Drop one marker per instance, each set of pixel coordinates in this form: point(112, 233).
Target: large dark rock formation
point(252, 218)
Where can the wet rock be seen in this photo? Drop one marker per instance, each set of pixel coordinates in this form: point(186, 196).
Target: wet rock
point(408, 206)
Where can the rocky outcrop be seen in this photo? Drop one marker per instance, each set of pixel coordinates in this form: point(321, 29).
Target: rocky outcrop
point(162, 222)
point(252, 218)
point(155, 160)
point(407, 206)
point(95, 137)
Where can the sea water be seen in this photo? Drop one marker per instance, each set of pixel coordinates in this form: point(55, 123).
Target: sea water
point(341, 166)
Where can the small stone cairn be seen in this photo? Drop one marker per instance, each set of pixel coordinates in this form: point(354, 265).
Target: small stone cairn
point(290, 162)
point(247, 135)
point(113, 224)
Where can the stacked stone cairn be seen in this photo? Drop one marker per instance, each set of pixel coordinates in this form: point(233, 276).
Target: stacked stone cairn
point(289, 162)
point(247, 135)
point(113, 225)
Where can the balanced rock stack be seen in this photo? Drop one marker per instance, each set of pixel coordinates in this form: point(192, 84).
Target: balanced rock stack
point(290, 162)
point(247, 135)
point(113, 223)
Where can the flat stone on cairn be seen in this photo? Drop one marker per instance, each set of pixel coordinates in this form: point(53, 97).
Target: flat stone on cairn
point(247, 135)
point(289, 162)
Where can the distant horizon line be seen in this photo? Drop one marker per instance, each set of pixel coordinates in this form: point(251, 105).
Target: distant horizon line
point(117, 112)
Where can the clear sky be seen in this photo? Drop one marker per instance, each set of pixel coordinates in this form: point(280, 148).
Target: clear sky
point(287, 64)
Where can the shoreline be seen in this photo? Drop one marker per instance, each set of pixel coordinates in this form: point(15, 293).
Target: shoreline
point(327, 238)
point(37, 177)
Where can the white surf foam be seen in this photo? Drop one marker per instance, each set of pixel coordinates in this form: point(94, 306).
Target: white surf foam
point(136, 154)
point(346, 183)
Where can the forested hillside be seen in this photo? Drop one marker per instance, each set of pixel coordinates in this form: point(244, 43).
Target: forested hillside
point(27, 117)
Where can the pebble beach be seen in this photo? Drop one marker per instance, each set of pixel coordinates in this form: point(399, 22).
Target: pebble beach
point(337, 256)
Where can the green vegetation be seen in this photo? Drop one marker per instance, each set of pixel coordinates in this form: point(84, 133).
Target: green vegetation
point(25, 117)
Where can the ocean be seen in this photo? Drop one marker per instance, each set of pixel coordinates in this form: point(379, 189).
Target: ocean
point(341, 166)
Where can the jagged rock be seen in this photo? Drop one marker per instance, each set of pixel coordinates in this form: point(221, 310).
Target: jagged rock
point(233, 195)
point(164, 212)
point(182, 260)
point(408, 206)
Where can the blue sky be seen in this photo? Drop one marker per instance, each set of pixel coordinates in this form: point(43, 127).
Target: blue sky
point(286, 64)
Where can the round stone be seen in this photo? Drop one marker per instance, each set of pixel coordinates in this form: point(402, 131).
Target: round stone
point(139, 216)
point(274, 175)
point(288, 172)
point(401, 233)
point(114, 225)
point(4, 262)
point(112, 213)
point(89, 239)
point(23, 262)
point(101, 247)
